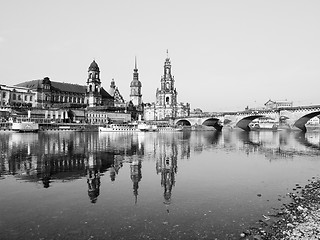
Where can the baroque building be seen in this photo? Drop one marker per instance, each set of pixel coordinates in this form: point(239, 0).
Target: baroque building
point(166, 106)
point(50, 94)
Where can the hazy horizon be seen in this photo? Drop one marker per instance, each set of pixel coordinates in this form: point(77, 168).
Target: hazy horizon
point(225, 55)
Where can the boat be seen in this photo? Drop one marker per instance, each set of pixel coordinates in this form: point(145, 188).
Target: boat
point(128, 127)
point(169, 128)
point(67, 127)
point(25, 127)
point(264, 124)
point(119, 128)
point(143, 127)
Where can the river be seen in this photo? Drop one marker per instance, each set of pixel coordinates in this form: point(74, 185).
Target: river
point(178, 185)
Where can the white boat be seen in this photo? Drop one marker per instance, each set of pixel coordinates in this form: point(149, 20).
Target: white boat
point(143, 127)
point(25, 126)
point(119, 128)
point(129, 127)
point(264, 124)
point(170, 128)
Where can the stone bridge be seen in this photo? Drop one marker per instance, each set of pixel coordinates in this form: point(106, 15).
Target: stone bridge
point(293, 117)
point(209, 121)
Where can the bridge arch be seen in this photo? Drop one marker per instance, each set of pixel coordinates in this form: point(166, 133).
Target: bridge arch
point(183, 122)
point(301, 122)
point(244, 122)
point(213, 122)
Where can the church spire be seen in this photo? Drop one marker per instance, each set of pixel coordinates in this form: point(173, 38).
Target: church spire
point(135, 62)
point(135, 95)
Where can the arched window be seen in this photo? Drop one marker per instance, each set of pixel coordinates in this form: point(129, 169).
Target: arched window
point(167, 100)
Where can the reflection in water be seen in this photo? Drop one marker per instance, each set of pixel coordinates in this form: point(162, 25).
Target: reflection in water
point(166, 166)
point(93, 178)
point(135, 174)
point(46, 156)
point(61, 158)
point(52, 157)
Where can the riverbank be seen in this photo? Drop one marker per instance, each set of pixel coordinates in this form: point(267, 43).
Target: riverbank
point(300, 219)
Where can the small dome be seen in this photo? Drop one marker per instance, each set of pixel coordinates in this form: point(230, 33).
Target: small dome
point(135, 83)
point(94, 67)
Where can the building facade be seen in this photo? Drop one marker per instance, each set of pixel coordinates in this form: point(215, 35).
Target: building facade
point(166, 105)
point(13, 96)
point(50, 94)
point(278, 104)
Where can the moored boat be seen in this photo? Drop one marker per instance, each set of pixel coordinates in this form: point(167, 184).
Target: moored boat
point(143, 127)
point(169, 128)
point(25, 126)
point(263, 124)
point(128, 127)
point(118, 128)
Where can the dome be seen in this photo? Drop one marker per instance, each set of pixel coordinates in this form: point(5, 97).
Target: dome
point(94, 67)
point(135, 83)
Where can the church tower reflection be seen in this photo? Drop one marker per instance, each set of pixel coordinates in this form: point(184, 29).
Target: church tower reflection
point(115, 167)
point(135, 174)
point(167, 166)
point(93, 178)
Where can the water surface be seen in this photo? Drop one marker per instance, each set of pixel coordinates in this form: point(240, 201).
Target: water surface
point(182, 185)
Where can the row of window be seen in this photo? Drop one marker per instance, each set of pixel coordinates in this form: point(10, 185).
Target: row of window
point(66, 99)
point(97, 115)
point(18, 97)
point(97, 120)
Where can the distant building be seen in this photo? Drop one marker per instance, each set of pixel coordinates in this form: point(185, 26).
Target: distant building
point(166, 105)
point(103, 117)
point(14, 96)
point(115, 93)
point(197, 112)
point(50, 94)
point(278, 104)
point(314, 121)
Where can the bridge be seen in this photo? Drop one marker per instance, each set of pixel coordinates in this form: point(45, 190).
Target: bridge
point(293, 117)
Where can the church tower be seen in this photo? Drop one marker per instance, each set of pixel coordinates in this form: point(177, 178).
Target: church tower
point(93, 85)
point(166, 106)
point(135, 86)
point(167, 94)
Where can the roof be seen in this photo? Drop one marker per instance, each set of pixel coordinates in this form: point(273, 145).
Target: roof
point(62, 87)
point(135, 83)
point(278, 102)
point(105, 94)
point(33, 84)
point(94, 66)
point(68, 87)
point(55, 86)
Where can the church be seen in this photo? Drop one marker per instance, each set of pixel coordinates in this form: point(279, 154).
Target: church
point(166, 106)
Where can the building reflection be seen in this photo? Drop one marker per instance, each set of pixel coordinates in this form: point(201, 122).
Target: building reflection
point(166, 166)
point(93, 177)
point(135, 175)
point(48, 158)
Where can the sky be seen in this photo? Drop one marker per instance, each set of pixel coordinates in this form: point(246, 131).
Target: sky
point(226, 55)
